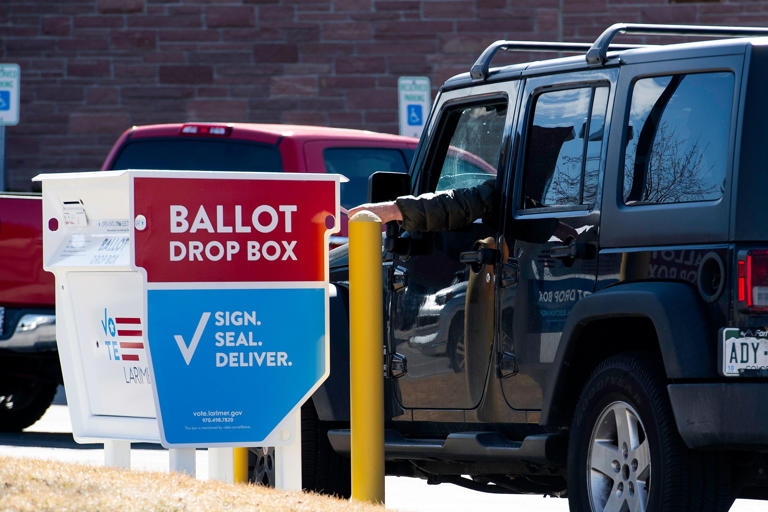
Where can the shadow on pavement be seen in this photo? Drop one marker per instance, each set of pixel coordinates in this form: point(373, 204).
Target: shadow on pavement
point(59, 440)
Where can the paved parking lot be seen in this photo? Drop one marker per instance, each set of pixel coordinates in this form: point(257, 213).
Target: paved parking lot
point(50, 438)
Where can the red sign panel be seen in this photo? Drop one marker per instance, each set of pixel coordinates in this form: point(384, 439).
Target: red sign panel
point(233, 230)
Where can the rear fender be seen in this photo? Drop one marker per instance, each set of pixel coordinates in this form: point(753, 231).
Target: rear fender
point(685, 337)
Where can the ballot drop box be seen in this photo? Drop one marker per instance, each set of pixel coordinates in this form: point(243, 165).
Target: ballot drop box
point(191, 307)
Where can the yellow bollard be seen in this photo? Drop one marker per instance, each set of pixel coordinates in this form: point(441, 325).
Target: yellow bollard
point(366, 358)
point(241, 465)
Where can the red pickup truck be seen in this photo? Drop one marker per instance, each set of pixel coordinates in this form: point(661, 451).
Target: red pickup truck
point(29, 365)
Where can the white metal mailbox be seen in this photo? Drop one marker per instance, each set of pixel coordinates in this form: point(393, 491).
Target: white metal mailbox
point(100, 326)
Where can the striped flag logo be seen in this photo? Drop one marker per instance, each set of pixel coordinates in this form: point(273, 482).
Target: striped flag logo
point(130, 338)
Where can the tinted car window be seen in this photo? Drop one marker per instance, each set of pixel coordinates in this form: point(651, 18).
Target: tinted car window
point(199, 155)
point(562, 160)
point(677, 147)
point(359, 163)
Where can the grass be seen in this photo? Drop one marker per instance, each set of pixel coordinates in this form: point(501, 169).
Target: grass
point(28, 485)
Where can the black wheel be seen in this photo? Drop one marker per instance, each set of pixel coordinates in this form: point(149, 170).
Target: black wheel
point(261, 466)
point(456, 343)
point(625, 454)
point(322, 469)
point(23, 404)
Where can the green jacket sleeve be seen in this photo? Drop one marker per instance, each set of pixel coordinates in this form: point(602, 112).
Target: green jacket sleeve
point(451, 209)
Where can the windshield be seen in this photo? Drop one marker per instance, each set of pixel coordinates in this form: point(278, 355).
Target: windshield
point(198, 155)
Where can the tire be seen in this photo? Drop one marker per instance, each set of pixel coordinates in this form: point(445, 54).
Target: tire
point(625, 453)
point(23, 404)
point(322, 469)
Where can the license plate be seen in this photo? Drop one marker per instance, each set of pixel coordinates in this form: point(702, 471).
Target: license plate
point(745, 353)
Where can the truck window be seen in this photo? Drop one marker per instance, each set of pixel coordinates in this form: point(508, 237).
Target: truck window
point(565, 138)
point(199, 155)
point(359, 163)
point(677, 140)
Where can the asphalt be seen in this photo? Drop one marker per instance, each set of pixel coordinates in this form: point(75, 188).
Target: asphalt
point(51, 438)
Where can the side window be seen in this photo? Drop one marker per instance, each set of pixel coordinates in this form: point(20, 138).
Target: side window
point(677, 138)
point(359, 163)
point(470, 145)
point(564, 144)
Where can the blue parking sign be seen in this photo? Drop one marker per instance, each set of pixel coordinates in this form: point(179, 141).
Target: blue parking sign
point(5, 100)
point(415, 115)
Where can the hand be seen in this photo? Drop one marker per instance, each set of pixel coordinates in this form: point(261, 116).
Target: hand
point(387, 211)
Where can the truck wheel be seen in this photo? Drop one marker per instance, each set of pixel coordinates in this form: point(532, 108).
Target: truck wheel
point(22, 405)
point(625, 453)
point(322, 469)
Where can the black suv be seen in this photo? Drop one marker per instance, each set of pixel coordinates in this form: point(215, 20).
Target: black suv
point(605, 335)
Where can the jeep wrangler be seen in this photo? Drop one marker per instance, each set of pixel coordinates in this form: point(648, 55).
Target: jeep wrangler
point(604, 336)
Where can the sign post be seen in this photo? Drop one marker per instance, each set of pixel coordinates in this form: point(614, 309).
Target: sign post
point(10, 91)
point(194, 305)
point(414, 101)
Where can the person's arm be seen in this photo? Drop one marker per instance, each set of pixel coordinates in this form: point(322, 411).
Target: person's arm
point(387, 211)
point(442, 211)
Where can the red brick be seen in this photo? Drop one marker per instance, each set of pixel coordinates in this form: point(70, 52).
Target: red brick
point(397, 5)
point(212, 92)
point(293, 86)
point(411, 29)
point(669, 14)
point(93, 44)
point(281, 13)
point(339, 84)
point(29, 45)
point(304, 68)
point(89, 68)
point(58, 93)
point(156, 92)
point(458, 44)
point(302, 117)
point(498, 26)
point(102, 95)
point(265, 52)
point(217, 110)
point(355, 65)
point(110, 122)
point(321, 17)
point(372, 16)
point(386, 48)
point(449, 10)
point(221, 17)
point(300, 32)
point(88, 22)
point(189, 20)
point(345, 119)
point(346, 31)
point(120, 6)
point(408, 65)
point(366, 99)
point(56, 25)
point(192, 75)
point(188, 35)
point(143, 73)
point(352, 5)
point(219, 57)
point(133, 39)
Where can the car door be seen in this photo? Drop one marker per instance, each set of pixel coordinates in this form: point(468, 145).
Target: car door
point(550, 230)
point(435, 297)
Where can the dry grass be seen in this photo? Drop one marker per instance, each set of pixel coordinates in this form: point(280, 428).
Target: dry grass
point(28, 485)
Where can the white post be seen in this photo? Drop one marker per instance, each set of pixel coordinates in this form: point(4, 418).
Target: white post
point(182, 460)
point(288, 458)
point(221, 464)
point(117, 453)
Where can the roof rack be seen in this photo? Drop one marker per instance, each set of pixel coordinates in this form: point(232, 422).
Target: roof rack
point(597, 53)
point(481, 66)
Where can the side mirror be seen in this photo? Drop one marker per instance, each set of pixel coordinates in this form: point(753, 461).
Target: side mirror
point(388, 186)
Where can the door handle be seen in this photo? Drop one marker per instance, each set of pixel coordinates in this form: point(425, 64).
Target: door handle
point(573, 250)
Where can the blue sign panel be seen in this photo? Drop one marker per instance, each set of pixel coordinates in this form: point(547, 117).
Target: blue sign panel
point(415, 115)
point(5, 100)
point(230, 364)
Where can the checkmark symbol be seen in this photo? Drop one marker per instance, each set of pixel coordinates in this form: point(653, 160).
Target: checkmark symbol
point(188, 351)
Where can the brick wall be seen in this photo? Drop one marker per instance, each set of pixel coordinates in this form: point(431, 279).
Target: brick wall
point(92, 68)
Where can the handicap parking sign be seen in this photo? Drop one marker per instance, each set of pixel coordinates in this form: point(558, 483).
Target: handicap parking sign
point(415, 115)
point(5, 100)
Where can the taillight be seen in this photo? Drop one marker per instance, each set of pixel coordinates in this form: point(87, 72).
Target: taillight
point(753, 279)
point(206, 130)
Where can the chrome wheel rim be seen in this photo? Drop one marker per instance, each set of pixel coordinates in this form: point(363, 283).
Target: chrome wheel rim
point(619, 461)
